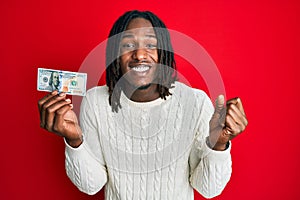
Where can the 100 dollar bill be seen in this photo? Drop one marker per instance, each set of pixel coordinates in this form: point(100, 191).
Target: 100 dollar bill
point(72, 83)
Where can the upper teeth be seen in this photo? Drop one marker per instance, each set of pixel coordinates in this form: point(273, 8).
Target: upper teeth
point(140, 68)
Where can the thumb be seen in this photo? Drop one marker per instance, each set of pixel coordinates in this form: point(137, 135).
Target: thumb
point(219, 103)
point(218, 118)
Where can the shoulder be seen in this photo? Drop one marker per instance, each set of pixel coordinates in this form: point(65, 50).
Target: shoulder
point(97, 91)
point(96, 98)
point(190, 92)
point(97, 94)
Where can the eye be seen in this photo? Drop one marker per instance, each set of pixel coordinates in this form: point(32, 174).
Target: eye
point(151, 46)
point(128, 46)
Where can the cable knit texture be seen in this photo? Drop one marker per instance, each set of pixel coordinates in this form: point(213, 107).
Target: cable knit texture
point(154, 150)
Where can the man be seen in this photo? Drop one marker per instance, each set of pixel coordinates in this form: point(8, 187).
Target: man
point(145, 135)
point(53, 81)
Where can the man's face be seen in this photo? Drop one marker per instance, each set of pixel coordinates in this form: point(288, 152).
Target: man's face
point(138, 50)
point(55, 79)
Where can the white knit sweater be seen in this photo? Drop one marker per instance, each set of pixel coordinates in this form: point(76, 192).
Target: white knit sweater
point(154, 150)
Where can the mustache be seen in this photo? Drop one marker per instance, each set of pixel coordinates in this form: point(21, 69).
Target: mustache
point(136, 62)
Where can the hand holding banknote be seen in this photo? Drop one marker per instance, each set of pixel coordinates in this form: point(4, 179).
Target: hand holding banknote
point(57, 116)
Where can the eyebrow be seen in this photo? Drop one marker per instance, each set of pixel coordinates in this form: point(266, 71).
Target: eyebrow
point(132, 36)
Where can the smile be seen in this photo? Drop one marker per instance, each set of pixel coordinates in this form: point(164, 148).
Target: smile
point(141, 68)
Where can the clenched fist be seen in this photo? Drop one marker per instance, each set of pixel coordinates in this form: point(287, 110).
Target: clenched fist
point(227, 122)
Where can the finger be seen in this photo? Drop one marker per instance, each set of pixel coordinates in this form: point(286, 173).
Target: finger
point(51, 113)
point(49, 101)
point(218, 118)
point(46, 98)
point(238, 102)
point(236, 114)
point(232, 126)
point(47, 104)
point(219, 103)
point(240, 106)
point(60, 118)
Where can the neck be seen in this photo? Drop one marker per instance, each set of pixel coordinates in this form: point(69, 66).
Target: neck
point(142, 94)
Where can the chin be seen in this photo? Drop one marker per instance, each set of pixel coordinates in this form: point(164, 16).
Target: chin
point(144, 87)
point(136, 83)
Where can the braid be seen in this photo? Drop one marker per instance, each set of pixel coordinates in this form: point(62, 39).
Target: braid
point(166, 67)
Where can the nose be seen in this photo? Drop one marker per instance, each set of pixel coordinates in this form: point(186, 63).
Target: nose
point(140, 54)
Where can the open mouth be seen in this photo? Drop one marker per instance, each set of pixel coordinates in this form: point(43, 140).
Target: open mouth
point(141, 68)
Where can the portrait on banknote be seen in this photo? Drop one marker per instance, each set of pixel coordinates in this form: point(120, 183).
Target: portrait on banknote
point(53, 81)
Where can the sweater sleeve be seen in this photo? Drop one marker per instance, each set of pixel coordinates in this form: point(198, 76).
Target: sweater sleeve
point(85, 165)
point(210, 170)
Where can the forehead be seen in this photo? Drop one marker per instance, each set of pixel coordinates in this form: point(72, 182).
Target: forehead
point(139, 26)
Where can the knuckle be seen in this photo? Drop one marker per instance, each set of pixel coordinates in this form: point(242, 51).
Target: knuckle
point(231, 106)
point(236, 130)
point(227, 118)
point(230, 111)
point(241, 128)
point(44, 106)
point(40, 103)
point(59, 111)
point(49, 110)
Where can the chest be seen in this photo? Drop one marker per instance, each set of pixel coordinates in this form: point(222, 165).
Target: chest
point(139, 139)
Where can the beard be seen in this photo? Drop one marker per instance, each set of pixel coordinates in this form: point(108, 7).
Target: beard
point(144, 87)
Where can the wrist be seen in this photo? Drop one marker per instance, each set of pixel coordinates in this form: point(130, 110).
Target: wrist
point(218, 146)
point(74, 142)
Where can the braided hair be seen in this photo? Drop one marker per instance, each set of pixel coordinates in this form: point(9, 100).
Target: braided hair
point(166, 62)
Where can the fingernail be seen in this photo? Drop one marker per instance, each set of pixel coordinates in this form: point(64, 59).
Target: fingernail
point(68, 100)
point(71, 105)
point(62, 94)
point(222, 98)
point(54, 92)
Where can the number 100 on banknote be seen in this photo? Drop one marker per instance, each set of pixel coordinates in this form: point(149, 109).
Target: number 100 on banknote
point(72, 83)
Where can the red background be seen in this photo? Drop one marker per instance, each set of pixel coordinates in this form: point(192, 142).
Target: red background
point(255, 46)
